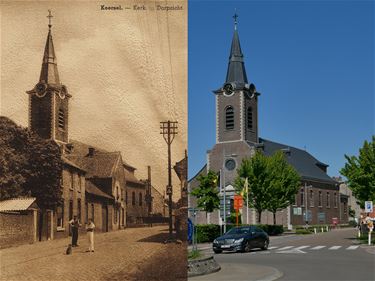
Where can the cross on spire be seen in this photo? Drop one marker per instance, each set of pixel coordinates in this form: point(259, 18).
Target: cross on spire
point(235, 16)
point(49, 18)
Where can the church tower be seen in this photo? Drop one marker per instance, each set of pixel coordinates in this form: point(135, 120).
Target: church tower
point(49, 99)
point(236, 100)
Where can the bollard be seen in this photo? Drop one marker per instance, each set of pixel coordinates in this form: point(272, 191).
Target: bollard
point(322, 229)
point(359, 233)
point(327, 228)
point(315, 230)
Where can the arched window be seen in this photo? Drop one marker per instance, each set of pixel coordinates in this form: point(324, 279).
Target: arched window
point(61, 119)
point(250, 118)
point(229, 118)
point(140, 199)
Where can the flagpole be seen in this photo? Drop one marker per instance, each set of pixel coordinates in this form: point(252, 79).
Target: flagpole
point(247, 207)
point(247, 201)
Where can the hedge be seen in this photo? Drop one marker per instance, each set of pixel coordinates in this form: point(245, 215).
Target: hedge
point(208, 232)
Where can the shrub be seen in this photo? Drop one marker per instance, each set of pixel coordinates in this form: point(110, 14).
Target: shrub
point(272, 229)
point(207, 232)
point(303, 231)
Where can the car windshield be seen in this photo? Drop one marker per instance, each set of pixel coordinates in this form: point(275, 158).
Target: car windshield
point(239, 230)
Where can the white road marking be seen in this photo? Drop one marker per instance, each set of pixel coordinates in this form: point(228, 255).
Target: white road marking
point(335, 247)
point(302, 247)
point(352, 247)
point(291, 251)
point(318, 248)
point(284, 248)
point(273, 247)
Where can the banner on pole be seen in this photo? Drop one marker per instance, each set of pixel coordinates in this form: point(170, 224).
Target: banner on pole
point(238, 202)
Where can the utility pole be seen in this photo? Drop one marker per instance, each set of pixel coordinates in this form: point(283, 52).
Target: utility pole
point(169, 130)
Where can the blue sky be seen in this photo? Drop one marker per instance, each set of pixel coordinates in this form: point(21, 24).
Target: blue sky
point(312, 62)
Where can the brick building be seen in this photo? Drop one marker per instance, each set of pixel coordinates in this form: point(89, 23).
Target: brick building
point(137, 207)
point(237, 138)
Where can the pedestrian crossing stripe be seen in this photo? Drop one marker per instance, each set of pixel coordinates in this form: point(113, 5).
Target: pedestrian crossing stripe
point(301, 247)
point(285, 248)
point(335, 247)
point(352, 247)
point(318, 247)
point(270, 248)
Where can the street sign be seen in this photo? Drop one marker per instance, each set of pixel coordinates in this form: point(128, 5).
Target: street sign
point(368, 207)
point(238, 202)
point(308, 217)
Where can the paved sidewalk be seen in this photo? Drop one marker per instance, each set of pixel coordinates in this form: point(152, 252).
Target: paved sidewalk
point(130, 254)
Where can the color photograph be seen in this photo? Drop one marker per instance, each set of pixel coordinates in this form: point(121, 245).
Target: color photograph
point(93, 140)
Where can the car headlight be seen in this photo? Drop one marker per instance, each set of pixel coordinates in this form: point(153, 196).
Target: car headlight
point(215, 241)
point(238, 241)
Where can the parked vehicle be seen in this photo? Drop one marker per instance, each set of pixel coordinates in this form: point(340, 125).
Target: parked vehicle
point(242, 239)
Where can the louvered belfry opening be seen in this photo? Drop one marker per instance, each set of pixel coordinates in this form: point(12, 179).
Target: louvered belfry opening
point(229, 118)
point(250, 118)
point(61, 119)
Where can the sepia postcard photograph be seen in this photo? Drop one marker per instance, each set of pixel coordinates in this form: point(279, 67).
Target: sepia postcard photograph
point(281, 140)
point(93, 140)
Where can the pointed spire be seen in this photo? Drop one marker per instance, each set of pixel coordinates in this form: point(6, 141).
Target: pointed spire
point(49, 73)
point(236, 68)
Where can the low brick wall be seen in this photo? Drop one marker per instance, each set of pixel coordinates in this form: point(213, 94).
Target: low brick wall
point(17, 228)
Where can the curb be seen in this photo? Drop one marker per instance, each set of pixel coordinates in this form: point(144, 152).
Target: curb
point(276, 275)
point(202, 266)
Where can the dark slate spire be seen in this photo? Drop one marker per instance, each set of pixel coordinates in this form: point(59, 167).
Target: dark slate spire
point(236, 68)
point(49, 73)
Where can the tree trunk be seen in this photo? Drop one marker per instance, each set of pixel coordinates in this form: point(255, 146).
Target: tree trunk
point(274, 218)
point(259, 216)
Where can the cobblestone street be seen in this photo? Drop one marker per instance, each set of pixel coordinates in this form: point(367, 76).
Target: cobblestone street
point(130, 254)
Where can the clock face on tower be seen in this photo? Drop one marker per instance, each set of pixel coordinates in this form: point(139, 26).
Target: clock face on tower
point(228, 89)
point(40, 89)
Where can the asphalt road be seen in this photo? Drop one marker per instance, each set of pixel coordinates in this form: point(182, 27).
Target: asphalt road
point(324, 256)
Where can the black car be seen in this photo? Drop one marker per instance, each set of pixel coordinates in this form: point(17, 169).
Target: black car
point(242, 239)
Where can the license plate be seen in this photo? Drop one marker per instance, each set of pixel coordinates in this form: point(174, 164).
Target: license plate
point(225, 246)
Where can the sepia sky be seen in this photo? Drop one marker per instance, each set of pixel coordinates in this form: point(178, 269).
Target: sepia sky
point(125, 69)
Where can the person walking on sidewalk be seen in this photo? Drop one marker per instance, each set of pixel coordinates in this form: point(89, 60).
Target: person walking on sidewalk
point(75, 224)
point(90, 234)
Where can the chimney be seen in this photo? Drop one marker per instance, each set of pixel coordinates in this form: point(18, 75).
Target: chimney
point(91, 152)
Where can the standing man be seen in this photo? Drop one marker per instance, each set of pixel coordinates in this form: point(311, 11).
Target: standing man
point(75, 224)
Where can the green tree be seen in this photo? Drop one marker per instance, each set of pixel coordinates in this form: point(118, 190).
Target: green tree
point(284, 183)
point(255, 169)
point(29, 166)
point(207, 192)
point(360, 172)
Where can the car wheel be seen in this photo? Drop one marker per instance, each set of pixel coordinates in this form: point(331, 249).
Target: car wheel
point(265, 245)
point(247, 247)
point(218, 251)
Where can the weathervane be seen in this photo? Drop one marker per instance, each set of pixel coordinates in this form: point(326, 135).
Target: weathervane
point(235, 16)
point(49, 19)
